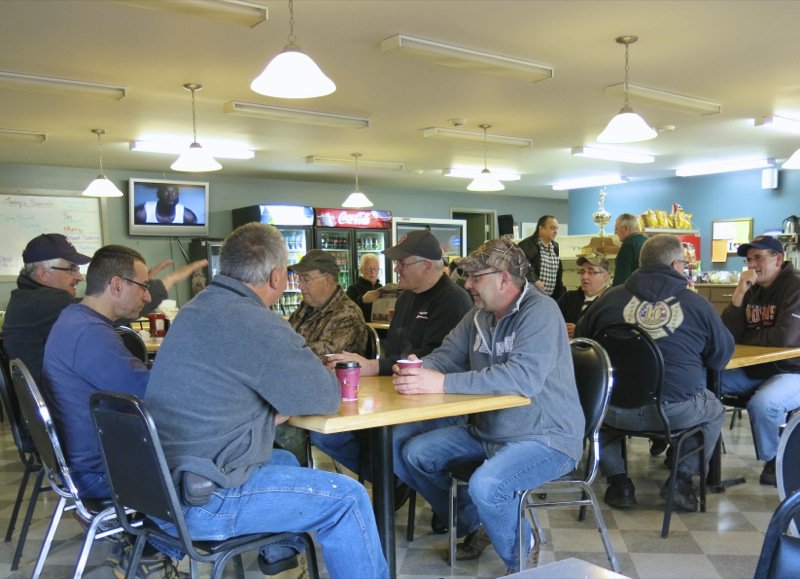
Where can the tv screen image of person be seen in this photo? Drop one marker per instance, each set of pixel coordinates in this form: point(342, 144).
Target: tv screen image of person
point(167, 208)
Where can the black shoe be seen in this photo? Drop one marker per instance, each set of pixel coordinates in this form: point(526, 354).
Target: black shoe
point(657, 446)
point(684, 498)
point(438, 526)
point(402, 492)
point(768, 476)
point(621, 495)
point(278, 566)
point(473, 545)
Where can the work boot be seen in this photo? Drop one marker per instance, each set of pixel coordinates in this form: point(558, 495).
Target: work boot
point(657, 446)
point(620, 493)
point(684, 498)
point(473, 545)
point(768, 476)
point(438, 526)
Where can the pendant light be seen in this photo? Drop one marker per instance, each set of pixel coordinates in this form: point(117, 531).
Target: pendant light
point(626, 126)
point(292, 74)
point(485, 181)
point(195, 159)
point(102, 186)
point(356, 199)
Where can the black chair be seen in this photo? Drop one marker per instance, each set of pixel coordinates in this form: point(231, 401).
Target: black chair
point(133, 342)
point(91, 514)
point(140, 480)
point(638, 381)
point(593, 377)
point(787, 465)
point(28, 456)
point(780, 553)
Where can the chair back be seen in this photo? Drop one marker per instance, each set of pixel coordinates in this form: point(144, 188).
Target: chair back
point(373, 344)
point(780, 553)
point(8, 397)
point(787, 463)
point(133, 342)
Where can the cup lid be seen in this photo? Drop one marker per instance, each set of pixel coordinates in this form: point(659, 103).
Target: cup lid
point(348, 364)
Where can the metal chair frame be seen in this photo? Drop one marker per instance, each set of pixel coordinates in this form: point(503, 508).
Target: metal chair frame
point(134, 343)
point(780, 553)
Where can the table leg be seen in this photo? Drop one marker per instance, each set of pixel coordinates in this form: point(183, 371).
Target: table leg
point(383, 492)
point(714, 478)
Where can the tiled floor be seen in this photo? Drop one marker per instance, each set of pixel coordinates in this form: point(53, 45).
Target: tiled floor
point(721, 543)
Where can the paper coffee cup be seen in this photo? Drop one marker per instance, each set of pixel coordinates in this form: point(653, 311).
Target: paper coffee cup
point(409, 364)
point(349, 374)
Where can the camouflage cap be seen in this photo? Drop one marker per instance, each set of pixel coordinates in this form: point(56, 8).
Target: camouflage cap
point(500, 254)
point(595, 259)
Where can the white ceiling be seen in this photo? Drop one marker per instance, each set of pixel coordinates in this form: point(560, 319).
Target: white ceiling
point(742, 54)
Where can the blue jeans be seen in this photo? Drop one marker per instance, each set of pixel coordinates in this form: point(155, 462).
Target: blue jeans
point(92, 485)
point(280, 496)
point(493, 489)
point(345, 448)
point(771, 400)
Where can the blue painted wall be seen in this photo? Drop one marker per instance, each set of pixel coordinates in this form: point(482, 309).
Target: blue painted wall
point(709, 197)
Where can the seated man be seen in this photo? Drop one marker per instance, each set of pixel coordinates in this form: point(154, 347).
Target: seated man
point(365, 290)
point(765, 311)
point(427, 309)
point(46, 285)
point(512, 342)
point(228, 373)
point(691, 338)
point(593, 273)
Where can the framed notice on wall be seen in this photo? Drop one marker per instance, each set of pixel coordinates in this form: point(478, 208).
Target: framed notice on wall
point(23, 216)
point(733, 232)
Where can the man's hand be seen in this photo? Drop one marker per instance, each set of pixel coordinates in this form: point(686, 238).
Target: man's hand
point(417, 380)
point(570, 330)
point(747, 279)
point(371, 296)
point(368, 367)
point(179, 274)
point(280, 419)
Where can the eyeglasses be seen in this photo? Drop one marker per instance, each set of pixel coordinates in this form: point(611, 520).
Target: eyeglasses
point(145, 286)
point(474, 276)
point(589, 272)
point(305, 279)
point(401, 266)
point(70, 269)
point(758, 258)
point(370, 268)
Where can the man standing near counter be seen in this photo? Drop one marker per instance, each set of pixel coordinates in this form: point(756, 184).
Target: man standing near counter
point(541, 249)
point(765, 311)
point(627, 229)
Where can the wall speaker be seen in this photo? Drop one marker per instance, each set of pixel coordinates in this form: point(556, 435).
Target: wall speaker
point(505, 224)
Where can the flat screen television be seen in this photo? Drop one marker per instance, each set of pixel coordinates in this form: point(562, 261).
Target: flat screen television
point(167, 208)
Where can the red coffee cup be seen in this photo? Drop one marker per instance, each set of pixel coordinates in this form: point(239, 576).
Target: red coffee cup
point(409, 364)
point(158, 324)
point(348, 374)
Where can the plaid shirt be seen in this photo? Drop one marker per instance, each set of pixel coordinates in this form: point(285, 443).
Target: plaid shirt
point(549, 269)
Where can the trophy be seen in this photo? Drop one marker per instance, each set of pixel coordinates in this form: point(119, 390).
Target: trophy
point(602, 243)
point(602, 217)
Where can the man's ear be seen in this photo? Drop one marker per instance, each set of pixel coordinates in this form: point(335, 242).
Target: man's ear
point(274, 279)
point(115, 286)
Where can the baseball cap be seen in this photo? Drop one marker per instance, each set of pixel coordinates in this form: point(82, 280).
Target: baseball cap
point(421, 243)
point(594, 259)
point(761, 242)
point(500, 254)
point(316, 259)
point(52, 246)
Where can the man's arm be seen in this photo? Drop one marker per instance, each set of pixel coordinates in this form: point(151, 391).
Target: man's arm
point(189, 216)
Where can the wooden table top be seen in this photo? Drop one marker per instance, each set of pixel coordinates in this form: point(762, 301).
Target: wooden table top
point(152, 345)
point(745, 355)
point(379, 405)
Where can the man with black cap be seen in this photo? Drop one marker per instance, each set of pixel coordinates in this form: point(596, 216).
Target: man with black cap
point(46, 285)
point(512, 342)
point(429, 306)
point(765, 311)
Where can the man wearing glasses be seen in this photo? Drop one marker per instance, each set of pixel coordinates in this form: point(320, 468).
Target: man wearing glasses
point(593, 274)
point(512, 342)
point(47, 284)
point(765, 311)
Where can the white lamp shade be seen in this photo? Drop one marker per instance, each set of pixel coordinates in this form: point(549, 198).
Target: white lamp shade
point(485, 182)
point(102, 187)
point(196, 159)
point(357, 200)
point(292, 75)
point(627, 127)
point(792, 162)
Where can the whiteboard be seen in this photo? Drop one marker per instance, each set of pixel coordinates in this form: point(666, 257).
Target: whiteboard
point(23, 217)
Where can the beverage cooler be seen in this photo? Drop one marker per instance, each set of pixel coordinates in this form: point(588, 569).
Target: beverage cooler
point(204, 248)
point(350, 233)
point(295, 222)
point(451, 233)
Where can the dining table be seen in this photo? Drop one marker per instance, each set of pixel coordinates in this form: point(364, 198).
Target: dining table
point(744, 355)
point(378, 408)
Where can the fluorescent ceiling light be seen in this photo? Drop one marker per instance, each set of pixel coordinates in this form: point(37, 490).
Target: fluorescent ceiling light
point(442, 133)
point(37, 81)
point(28, 136)
point(249, 12)
point(584, 182)
point(378, 165)
point(294, 115)
point(669, 100)
point(723, 166)
point(609, 155)
point(217, 150)
point(468, 58)
point(472, 172)
point(784, 123)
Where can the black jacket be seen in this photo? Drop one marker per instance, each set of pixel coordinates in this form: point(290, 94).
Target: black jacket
point(530, 245)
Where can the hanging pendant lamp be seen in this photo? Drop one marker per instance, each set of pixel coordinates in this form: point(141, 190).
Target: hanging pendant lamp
point(195, 159)
point(626, 126)
point(292, 74)
point(356, 199)
point(102, 186)
point(485, 181)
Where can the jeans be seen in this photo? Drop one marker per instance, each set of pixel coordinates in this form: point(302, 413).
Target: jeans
point(703, 409)
point(345, 447)
point(494, 488)
point(92, 485)
point(281, 496)
point(772, 399)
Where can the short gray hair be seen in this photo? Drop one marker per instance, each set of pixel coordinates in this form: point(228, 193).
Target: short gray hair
point(29, 269)
point(661, 249)
point(251, 252)
point(630, 221)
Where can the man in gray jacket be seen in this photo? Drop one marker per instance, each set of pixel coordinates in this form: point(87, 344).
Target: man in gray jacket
point(513, 341)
